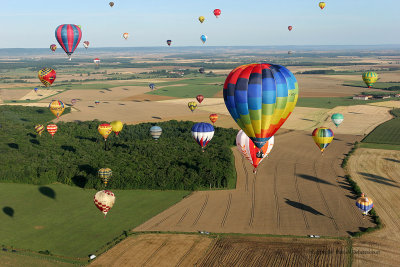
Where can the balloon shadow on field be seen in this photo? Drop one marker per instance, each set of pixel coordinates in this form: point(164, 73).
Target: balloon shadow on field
point(306, 119)
point(155, 117)
point(13, 145)
point(313, 178)
point(68, 148)
point(81, 180)
point(34, 141)
point(31, 135)
point(9, 211)
point(40, 111)
point(378, 179)
point(393, 160)
point(90, 106)
point(120, 145)
point(121, 104)
point(93, 139)
point(302, 206)
point(47, 191)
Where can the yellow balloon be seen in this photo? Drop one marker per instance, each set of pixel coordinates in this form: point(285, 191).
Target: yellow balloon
point(370, 78)
point(57, 108)
point(201, 19)
point(322, 5)
point(192, 105)
point(117, 126)
point(104, 129)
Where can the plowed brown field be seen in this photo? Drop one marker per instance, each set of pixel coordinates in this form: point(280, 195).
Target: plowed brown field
point(377, 172)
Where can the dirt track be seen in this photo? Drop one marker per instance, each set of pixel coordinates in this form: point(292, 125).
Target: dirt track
point(377, 172)
point(296, 192)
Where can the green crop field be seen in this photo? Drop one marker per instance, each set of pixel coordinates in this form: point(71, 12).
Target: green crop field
point(64, 220)
point(387, 133)
point(13, 259)
point(331, 102)
point(377, 85)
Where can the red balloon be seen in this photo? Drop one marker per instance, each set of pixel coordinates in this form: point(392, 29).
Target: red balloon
point(290, 28)
point(200, 98)
point(217, 12)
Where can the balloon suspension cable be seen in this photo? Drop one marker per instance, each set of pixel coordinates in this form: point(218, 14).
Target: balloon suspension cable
point(105, 144)
point(255, 171)
point(69, 57)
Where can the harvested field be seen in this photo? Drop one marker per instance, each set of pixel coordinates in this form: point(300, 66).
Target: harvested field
point(377, 172)
point(296, 192)
point(156, 250)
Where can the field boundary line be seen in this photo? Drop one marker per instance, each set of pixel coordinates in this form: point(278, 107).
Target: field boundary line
point(156, 251)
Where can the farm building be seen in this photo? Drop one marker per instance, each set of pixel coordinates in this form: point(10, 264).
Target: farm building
point(360, 97)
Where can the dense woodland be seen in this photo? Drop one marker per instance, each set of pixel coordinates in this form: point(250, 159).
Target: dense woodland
point(77, 151)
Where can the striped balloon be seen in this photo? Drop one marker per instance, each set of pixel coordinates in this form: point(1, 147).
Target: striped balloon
point(203, 133)
point(39, 129)
point(105, 175)
point(365, 204)
point(213, 118)
point(260, 97)
point(192, 105)
point(155, 132)
point(249, 150)
point(322, 136)
point(57, 108)
point(104, 201)
point(68, 36)
point(370, 78)
point(53, 47)
point(52, 129)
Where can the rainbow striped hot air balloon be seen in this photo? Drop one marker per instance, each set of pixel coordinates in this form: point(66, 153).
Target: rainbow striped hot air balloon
point(68, 36)
point(260, 97)
point(39, 129)
point(249, 150)
point(370, 78)
point(203, 133)
point(322, 136)
point(105, 175)
point(57, 108)
point(365, 204)
point(192, 105)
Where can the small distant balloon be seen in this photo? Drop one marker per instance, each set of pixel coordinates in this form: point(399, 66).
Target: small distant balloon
point(57, 108)
point(155, 132)
point(104, 201)
point(105, 175)
point(97, 102)
point(116, 126)
point(217, 12)
point(39, 129)
point(321, 5)
point(201, 70)
point(86, 44)
point(213, 118)
point(104, 129)
point(290, 28)
point(52, 129)
point(111, 4)
point(322, 136)
point(337, 119)
point(73, 101)
point(152, 86)
point(53, 47)
point(36, 89)
point(200, 98)
point(96, 61)
point(201, 19)
point(125, 35)
point(47, 76)
point(169, 42)
point(192, 105)
point(203, 38)
point(203, 133)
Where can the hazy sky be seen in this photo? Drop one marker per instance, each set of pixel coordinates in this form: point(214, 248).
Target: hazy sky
point(31, 23)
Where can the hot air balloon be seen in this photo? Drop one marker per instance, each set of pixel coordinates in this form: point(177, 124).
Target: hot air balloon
point(97, 102)
point(104, 201)
point(365, 204)
point(201, 70)
point(116, 126)
point(192, 105)
point(86, 44)
point(217, 12)
point(68, 36)
point(155, 132)
point(169, 42)
point(201, 19)
point(322, 136)
point(39, 129)
point(321, 5)
point(47, 76)
point(104, 129)
point(52, 129)
point(73, 101)
point(36, 89)
point(57, 108)
point(105, 175)
point(125, 35)
point(289, 52)
point(260, 97)
point(250, 151)
point(53, 47)
point(370, 78)
point(203, 38)
point(96, 61)
point(111, 4)
point(200, 98)
point(213, 118)
point(203, 133)
point(151, 86)
point(337, 119)
point(290, 28)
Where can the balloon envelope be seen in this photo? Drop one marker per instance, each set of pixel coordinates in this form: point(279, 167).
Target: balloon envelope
point(321, 5)
point(365, 204)
point(203, 38)
point(125, 35)
point(249, 150)
point(200, 98)
point(260, 97)
point(203, 133)
point(86, 44)
point(68, 36)
point(201, 70)
point(47, 76)
point(290, 28)
point(73, 101)
point(322, 136)
point(169, 42)
point(201, 19)
point(104, 129)
point(116, 126)
point(104, 201)
point(105, 174)
point(39, 129)
point(53, 47)
point(52, 129)
point(57, 107)
point(96, 61)
point(213, 118)
point(337, 119)
point(217, 12)
point(192, 105)
point(151, 86)
point(155, 132)
point(370, 78)
point(111, 4)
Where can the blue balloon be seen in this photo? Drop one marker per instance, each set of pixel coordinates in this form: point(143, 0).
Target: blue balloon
point(152, 85)
point(36, 89)
point(203, 133)
point(155, 132)
point(203, 38)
